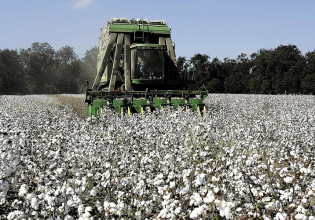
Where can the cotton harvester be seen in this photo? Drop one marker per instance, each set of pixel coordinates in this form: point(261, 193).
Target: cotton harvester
point(136, 70)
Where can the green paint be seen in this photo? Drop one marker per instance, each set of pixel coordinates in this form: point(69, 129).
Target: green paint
point(130, 28)
point(148, 81)
point(142, 104)
point(148, 45)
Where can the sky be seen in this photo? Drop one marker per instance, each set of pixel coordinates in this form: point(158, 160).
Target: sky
point(217, 28)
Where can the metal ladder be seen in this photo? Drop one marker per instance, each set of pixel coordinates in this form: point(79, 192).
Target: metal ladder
point(137, 29)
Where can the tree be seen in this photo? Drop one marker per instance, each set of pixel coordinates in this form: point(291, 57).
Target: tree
point(308, 80)
point(12, 80)
point(39, 68)
point(68, 71)
point(89, 64)
point(199, 69)
point(182, 65)
point(288, 62)
point(261, 72)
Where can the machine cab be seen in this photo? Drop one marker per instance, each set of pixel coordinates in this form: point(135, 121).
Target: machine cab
point(147, 61)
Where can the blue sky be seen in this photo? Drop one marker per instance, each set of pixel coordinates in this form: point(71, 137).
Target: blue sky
point(218, 28)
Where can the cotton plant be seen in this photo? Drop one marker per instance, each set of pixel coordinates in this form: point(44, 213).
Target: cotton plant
point(249, 156)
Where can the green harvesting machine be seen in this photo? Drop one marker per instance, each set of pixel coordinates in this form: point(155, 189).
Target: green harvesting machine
point(137, 72)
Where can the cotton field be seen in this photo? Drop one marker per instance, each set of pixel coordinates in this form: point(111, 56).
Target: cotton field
point(248, 157)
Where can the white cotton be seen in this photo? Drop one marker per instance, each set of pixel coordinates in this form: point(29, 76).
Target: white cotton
point(195, 199)
point(299, 216)
point(227, 212)
point(200, 180)
point(288, 179)
point(88, 209)
point(34, 203)
point(93, 192)
point(81, 209)
point(254, 191)
point(30, 196)
point(16, 215)
point(209, 198)
point(68, 217)
point(107, 165)
point(23, 190)
point(172, 184)
point(106, 205)
point(69, 191)
point(49, 200)
point(34, 213)
point(41, 196)
point(281, 216)
point(178, 210)
point(163, 213)
point(57, 193)
point(239, 209)
point(107, 174)
point(224, 208)
point(160, 176)
point(216, 189)
point(197, 212)
point(87, 215)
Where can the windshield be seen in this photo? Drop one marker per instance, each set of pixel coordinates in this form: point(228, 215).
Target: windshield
point(149, 64)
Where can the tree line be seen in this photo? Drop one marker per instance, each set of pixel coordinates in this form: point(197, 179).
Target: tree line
point(283, 70)
point(42, 70)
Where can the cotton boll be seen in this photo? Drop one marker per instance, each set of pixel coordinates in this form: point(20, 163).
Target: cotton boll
point(288, 179)
point(30, 196)
point(172, 184)
point(200, 180)
point(57, 193)
point(254, 192)
point(70, 191)
point(160, 191)
point(88, 209)
point(178, 210)
point(163, 213)
point(68, 217)
point(216, 189)
point(300, 216)
point(16, 215)
point(224, 208)
point(280, 216)
point(195, 199)
point(209, 198)
point(93, 192)
point(107, 165)
point(215, 179)
point(106, 205)
point(86, 215)
point(23, 190)
point(34, 203)
point(81, 209)
point(197, 212)
point(50, 200)
point(34, 213)
point(227, 212)
point(239, 209)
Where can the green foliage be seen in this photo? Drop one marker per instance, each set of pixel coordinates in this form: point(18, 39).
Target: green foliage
point(39, 65)
point(89, 63)
point(42, 70)
point(274, 71)
point(11, 73)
